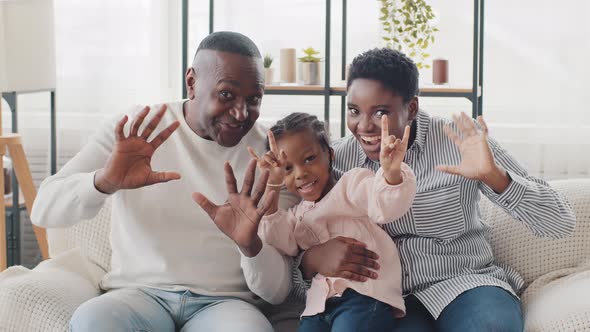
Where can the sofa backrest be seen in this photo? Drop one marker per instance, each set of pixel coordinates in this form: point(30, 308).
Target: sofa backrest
point(513, 243)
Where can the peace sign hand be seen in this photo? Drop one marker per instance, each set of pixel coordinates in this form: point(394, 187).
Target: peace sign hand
point(272, 161)
point(239, 216)
point(392, 152)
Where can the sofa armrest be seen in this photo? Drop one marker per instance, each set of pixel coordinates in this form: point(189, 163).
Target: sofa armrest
point(558, 301)
point(44, 299)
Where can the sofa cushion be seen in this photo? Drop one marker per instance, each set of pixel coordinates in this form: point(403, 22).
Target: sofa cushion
point(44, 299)
point(558, 301)
point(91, 237)
point(514, 245)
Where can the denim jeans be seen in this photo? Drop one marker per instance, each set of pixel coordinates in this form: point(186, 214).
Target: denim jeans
point(485, 308)
point(148, 309)
point(351, 312)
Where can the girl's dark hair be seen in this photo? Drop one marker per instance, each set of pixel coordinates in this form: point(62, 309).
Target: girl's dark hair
point(298, 122)
point(390, 67)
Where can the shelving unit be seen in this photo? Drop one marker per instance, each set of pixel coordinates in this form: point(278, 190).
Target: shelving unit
point(473, 93)
point(15, 204)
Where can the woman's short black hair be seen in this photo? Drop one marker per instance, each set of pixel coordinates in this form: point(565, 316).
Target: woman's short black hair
point(390, 67)
point(298, 122)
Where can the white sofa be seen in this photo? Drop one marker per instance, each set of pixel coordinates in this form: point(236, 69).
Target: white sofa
point(556, 272)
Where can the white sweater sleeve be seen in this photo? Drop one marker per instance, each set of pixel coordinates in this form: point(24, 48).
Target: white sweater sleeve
point(70, 195)
point(268, 274)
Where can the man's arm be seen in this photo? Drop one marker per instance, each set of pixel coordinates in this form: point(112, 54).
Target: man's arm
point(113, 160)
point(70, 195)
point(268, 274)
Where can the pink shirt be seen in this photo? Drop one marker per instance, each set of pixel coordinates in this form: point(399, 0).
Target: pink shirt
point(353, 208)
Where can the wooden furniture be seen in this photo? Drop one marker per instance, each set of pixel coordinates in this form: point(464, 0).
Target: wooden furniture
point(13, 144)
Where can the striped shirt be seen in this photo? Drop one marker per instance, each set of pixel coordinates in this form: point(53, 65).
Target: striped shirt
point(442, 239)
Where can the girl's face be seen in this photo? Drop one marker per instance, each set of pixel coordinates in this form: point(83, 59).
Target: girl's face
point(368, 100)
point(307, 165)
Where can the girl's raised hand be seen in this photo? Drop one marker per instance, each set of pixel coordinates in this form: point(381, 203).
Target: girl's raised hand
point(392, 152)
point(273, 161)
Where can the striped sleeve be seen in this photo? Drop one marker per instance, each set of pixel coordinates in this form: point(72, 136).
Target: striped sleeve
point(299, 284)
point(546, 212)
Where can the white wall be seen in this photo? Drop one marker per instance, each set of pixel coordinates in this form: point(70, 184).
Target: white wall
point(112, 54)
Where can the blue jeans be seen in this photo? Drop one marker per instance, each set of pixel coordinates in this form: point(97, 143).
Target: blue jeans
point(483, 308)
point(351, 312)
point(149, 309)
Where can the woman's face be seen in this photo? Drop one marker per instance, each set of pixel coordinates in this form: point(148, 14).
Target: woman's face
point(368, 100)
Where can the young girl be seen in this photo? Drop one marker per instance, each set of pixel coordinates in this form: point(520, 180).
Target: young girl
point(353, 207)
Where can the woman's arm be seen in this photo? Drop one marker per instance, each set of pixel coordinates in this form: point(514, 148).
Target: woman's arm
point(502, 179)
point(546, 212)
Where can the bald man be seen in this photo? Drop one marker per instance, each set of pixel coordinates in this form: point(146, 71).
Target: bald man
point(172, 268)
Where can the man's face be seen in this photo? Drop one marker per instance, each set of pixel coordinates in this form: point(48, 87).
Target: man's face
point(368, 100)
point(226, 91)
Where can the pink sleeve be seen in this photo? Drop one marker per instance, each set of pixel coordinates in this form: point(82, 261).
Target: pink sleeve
point(278, 229)
point(382, 202)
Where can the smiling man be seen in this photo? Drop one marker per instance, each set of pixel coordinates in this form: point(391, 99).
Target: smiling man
point(172, 269)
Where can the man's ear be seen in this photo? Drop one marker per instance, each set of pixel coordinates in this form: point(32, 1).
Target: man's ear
point(413, 106)
point(190, 79)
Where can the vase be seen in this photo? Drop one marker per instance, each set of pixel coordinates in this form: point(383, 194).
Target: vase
point(310, 73)
point(440, 71)
point(287, 59)
point(269, 75)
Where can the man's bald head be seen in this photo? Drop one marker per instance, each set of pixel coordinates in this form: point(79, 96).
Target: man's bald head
point(230, 42)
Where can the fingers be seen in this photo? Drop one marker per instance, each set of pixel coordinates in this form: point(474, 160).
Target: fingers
point(352, 276)
point(363, 251)
point(456, 170)
point(364, 261)
point(355, 270)
point(164, 134)
point(384, 128)
point(406, 137)
point(253, 153)
point(391, 145)
point(270, 159)
point(230, 179)
point(267, 203)
point(205, 204)
point(482, 123)
point(350, 241)
point(160, 177)
point(260, 187)
point(249, 178)
point(452, 135)
point(119, 134)
point(138, 121)
point(272, 143)
point(465, 124)
point(151, 126)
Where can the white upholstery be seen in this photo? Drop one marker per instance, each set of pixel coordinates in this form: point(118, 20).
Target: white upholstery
point(557, 272)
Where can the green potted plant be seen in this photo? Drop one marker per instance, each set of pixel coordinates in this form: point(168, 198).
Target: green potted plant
point(310, 69)
point(408, 26)
point(268, 72)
